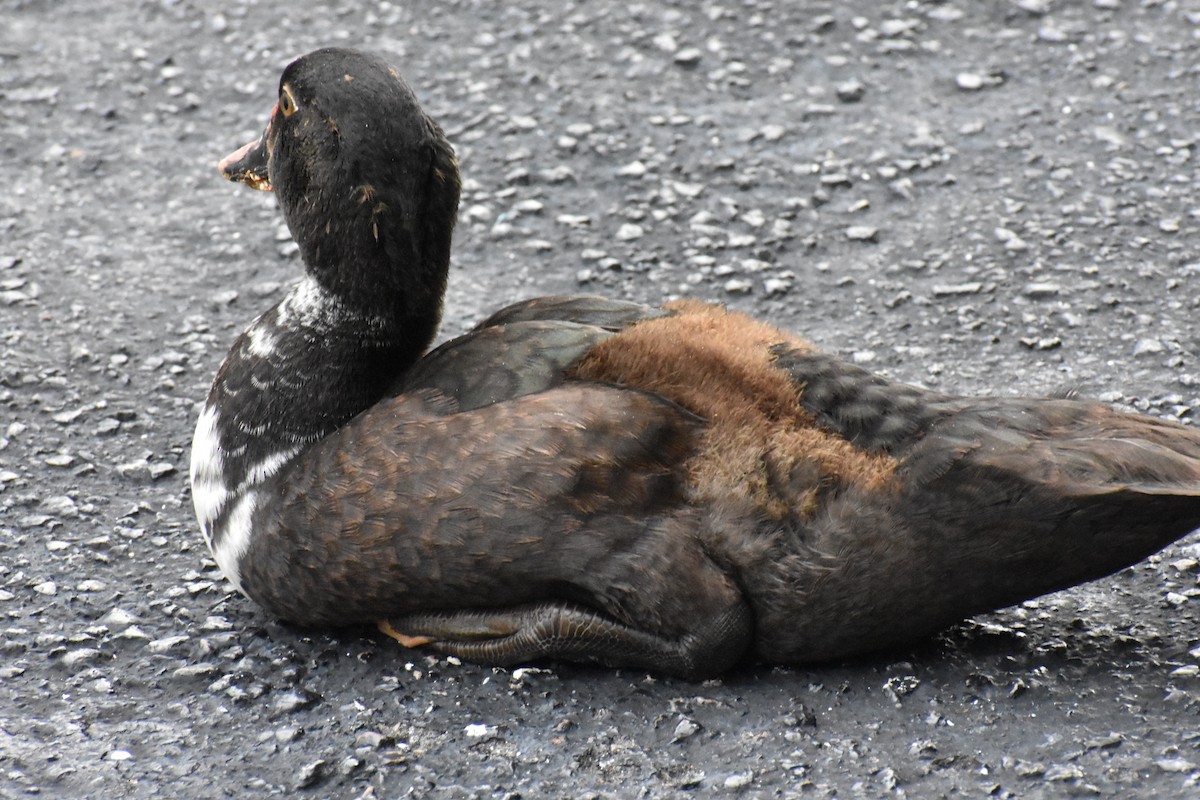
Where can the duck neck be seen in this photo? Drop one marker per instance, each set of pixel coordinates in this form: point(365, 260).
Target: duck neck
point(375, 261)
point(376, 267)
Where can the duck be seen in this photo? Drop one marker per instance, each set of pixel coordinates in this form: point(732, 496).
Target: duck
point(677, 489)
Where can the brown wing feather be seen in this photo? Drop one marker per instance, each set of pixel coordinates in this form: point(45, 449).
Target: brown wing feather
point(573, 493)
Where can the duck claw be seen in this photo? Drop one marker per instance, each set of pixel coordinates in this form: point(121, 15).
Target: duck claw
point(386, 628)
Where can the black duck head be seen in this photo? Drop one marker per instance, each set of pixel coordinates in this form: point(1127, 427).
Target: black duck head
point(367, 181)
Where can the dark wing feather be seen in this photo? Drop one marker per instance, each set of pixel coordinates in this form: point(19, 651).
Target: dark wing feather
point(576, 493)
point(866, 410)
point(503, 362)
point(602, 312)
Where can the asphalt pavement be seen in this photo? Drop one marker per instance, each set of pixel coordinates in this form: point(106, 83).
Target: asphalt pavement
point(988, 197)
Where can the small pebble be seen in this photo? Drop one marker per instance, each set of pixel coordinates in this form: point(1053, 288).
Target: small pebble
point(666, 42)
point(291, 702)
point(133, 632)
point(166, 643)
point(1035, 7)
point(372, 739)
point(67, 417)
point(1148, 347)
point(957, 289)
point(892, 28)
point(81, 656)
point(1063, 772)
point(635, 169)
point(288, 733)
point(200, 670)
point(1041, 291)
point(477, 730)
point(629, 231)
point(684, 730)
point(777, 286)
point(1041, 343)
point(61, 506)
point(118, 617)
point(135, 470)
point(969, 81)
point(160, 469)
point(1109, 135)
point(851, 91)
point(739, 780)
point(1012, 242)
point(310, 774)
point(773, 133)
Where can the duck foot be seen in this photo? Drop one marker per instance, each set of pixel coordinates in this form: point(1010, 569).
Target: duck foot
point(563, 631)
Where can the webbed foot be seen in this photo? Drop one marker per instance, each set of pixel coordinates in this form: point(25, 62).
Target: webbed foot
point(563, 631)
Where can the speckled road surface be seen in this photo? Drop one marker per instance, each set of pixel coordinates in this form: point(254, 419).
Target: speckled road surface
point(982, 195)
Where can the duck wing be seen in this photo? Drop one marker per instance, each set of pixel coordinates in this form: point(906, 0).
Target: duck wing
point(602, 312)
point(523, 349)
point(502, 362)
point(573, 500)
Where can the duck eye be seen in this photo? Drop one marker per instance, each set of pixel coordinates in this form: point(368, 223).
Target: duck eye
point(287, 103)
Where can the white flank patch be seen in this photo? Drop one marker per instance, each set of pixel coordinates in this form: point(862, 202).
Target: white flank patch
point(235, 538)
point(269, 466)
point(209, 492)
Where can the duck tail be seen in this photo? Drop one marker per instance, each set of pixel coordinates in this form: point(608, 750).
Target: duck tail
point(1063, 491)
point(1107, 527)
point(996, 501)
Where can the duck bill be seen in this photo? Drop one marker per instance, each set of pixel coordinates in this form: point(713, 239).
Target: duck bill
point(248, 165)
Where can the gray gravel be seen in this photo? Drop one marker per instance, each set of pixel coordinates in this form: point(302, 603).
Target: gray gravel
point(982, 196)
